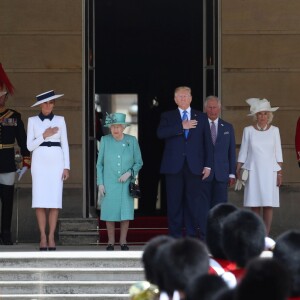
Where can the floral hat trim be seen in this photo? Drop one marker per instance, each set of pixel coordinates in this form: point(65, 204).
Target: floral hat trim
point(115, 118)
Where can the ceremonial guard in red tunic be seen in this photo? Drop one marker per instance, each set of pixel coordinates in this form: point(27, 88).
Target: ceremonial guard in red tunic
point(297, 141)
point(11, 130)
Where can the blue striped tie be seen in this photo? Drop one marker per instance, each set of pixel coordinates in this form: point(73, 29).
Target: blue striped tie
point(185, 118)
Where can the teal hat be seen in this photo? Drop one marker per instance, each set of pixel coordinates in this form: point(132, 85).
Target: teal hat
point(115, 119)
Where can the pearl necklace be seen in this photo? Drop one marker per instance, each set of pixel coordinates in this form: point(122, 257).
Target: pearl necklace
point(262, 129)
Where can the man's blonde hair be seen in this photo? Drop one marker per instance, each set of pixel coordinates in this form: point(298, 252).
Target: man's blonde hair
point(185, 88)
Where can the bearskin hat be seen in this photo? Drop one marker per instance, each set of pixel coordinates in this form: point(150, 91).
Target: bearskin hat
point(243, 236)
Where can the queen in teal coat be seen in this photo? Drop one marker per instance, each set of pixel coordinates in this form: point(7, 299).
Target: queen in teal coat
point(119, 158)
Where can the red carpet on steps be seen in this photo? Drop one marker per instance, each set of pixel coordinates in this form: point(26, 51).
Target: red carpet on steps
point(141, 229)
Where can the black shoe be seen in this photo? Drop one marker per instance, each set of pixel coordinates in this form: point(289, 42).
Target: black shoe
point(7, 242)
point(43, 248)
point(51, 248)
point(110, 247)
point(6, 239)
point(124, 247)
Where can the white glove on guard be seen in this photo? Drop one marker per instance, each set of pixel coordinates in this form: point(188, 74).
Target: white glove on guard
point(21, 172)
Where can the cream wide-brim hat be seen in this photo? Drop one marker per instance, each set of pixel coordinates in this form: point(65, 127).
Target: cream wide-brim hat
point(258, 105)
point(45, 97)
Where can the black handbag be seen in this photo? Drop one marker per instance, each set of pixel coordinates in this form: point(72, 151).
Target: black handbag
point(134, 190)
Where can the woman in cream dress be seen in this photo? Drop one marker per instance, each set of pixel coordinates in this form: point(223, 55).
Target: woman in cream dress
point(47, 139)
point(261, 155)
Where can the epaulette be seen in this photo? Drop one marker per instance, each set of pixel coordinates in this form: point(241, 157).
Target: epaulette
point(8, 114)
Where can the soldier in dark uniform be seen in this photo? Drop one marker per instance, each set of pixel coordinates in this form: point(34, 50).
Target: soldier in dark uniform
point(11, 130)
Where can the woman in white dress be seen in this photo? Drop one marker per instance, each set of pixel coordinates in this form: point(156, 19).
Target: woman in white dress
point(261, 155)
point(48, 141)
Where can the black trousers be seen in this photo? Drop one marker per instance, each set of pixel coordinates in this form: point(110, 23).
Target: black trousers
point(7, 199)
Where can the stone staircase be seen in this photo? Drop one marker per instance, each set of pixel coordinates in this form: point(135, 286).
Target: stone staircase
point(69, 274)
point(78, 231)
point(90, 231)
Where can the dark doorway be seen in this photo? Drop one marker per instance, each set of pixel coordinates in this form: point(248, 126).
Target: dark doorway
point(148, 48)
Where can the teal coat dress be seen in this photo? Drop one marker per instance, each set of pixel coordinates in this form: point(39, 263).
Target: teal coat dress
point(114, 159)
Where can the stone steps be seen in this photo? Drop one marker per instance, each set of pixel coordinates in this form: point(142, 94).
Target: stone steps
point(69, 274)
point(67, 287)
point(79, 231)
point(69, 297)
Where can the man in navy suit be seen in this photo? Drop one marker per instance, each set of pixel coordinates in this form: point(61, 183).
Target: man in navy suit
point(222, 174)
point(186, 163)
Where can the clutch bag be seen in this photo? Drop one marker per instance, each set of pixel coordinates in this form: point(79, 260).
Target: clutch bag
point(244, 175)
point(134, 190)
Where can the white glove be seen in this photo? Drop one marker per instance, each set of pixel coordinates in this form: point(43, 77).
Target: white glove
point(269, 243)
point(21, 172)
point(101, 190)
point(125, 176)
point(239, 184)
point(229, 279)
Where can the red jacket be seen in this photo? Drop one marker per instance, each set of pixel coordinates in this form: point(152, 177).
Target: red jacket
point(297, 140)
point(227, 265)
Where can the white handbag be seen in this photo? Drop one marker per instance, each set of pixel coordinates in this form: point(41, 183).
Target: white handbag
point(244, 175)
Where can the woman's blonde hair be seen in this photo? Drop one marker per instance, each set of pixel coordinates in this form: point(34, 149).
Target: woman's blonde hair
point(269, 114)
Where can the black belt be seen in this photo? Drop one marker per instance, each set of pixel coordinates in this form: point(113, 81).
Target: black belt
point(50, 144)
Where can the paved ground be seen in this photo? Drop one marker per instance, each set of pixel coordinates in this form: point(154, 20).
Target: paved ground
point(34, 247)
